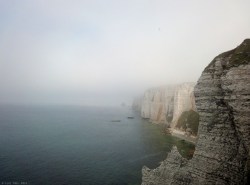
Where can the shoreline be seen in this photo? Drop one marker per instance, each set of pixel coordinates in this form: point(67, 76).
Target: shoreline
point(176, 133)
point(181, 135)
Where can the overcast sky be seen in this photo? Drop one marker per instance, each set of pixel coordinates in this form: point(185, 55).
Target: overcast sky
point(105, 52)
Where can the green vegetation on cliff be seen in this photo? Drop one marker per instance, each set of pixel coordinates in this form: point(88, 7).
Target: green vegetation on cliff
point(238, 56)
point(189, 120)
point(241, 54)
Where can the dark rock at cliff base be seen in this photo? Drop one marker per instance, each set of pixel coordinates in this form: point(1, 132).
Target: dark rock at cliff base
point(222, 97)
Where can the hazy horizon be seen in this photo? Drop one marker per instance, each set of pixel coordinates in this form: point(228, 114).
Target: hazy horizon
point(107, 52)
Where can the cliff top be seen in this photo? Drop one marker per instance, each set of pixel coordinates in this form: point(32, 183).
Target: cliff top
point(238, 56)
point(172, 86)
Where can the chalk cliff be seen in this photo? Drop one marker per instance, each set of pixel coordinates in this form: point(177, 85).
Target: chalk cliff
point(222, 97)
point(166, 104)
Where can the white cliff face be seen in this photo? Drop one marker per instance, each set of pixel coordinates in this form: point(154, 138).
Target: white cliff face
point(166, 104)
point(155, 103)
point(183, 101)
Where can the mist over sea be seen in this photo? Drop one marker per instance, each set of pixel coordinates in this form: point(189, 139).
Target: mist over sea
point(79, 145)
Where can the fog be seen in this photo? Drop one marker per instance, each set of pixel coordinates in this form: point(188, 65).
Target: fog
point(107, 52)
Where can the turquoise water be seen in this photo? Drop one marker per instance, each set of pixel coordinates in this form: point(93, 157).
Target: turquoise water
point(79, 145)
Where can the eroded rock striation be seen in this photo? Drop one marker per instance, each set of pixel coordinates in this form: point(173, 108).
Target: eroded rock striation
point(222, 97)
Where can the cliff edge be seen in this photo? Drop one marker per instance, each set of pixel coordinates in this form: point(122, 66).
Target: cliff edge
point(222, 97)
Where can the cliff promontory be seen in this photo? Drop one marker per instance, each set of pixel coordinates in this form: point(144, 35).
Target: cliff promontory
point(222, 97)
point(172, 105)
point(165, 104)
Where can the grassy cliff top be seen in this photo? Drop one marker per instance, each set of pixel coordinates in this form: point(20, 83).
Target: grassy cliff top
point(238, 56)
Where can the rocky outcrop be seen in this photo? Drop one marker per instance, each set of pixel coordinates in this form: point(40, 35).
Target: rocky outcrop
point(165, 171)
point(222, 97)
point(166, 104)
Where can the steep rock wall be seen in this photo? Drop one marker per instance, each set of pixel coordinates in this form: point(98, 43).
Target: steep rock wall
point(166, 104)
point(157, 104)
point(222, 97)
point(183, 101)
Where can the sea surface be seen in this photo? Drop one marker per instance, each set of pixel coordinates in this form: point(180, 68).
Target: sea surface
point(76, 145)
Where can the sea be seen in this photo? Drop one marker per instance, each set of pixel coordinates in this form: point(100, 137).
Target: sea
point(79, 145)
